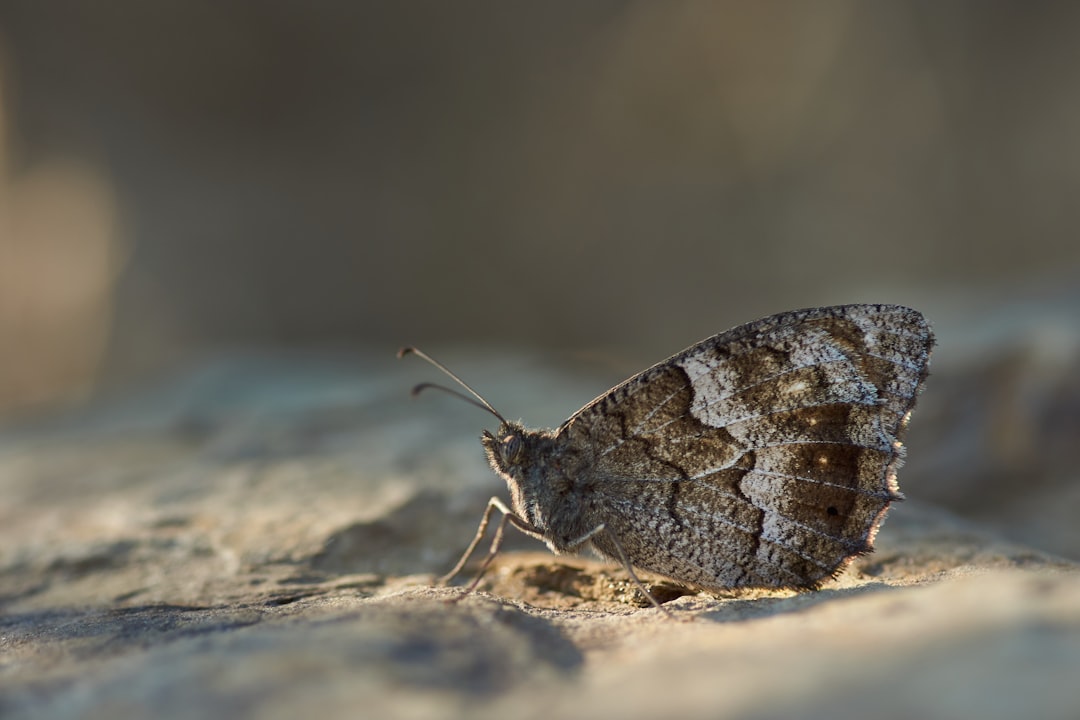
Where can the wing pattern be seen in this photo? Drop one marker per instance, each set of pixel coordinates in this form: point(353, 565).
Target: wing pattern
point(763, 456)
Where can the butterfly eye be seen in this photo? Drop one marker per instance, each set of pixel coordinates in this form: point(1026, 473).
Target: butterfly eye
point(511, 447)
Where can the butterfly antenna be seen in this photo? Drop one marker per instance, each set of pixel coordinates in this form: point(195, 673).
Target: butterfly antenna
point(480, 402)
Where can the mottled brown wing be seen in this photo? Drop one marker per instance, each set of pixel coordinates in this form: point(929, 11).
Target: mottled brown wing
point(763, 456)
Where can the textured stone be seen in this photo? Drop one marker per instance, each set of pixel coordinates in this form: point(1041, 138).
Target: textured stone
point(258, 538)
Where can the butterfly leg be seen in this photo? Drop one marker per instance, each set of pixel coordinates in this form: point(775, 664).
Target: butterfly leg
point(626, 564)
point(496, 542)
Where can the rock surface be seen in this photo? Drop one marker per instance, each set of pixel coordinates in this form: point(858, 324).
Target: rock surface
point(260, 538)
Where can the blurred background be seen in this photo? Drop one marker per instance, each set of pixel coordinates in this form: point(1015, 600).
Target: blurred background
point(179, 178)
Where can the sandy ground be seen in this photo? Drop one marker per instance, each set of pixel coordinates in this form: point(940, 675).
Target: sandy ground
point(260, 538)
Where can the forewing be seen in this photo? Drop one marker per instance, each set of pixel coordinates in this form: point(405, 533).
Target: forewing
point(763, 456)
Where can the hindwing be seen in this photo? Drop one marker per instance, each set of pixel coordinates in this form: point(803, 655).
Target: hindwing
point(763, 456)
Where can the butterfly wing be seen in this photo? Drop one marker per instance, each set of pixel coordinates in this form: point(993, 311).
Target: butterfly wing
point(764, 456)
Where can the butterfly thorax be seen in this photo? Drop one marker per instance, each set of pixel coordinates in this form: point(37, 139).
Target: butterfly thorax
point(539, 473)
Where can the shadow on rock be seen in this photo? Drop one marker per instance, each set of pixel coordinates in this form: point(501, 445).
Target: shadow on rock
point(423, 535)
point(409, 650)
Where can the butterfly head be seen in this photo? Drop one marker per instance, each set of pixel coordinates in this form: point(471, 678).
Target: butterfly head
point(506, 447)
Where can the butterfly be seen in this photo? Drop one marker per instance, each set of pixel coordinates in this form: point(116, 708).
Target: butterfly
point(765, 456)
